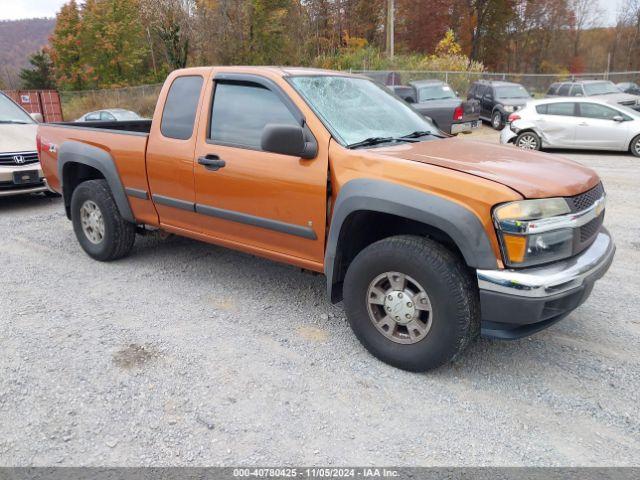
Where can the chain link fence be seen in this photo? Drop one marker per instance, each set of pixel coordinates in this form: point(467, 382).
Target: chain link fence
point(142, 99)
point(536, 84)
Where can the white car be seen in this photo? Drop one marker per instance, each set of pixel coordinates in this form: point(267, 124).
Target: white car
point(110, 115)
point(574, 123)
point(20, 170)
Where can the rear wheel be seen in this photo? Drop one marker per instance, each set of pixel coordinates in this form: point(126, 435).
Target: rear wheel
point(635, 146)
point(496, 120)
point(528, 141)
point(411, 302)
point(100, 229)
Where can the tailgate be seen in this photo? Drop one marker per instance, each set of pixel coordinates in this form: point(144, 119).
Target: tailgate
point(471, 110)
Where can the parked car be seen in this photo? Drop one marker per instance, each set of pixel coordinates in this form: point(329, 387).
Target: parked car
point(498, 100)
point(600, 89)
point(629, 87)
point(428, 239)
point(437, 100)
point(110, 115)
point(20, 171)
point(578, 123)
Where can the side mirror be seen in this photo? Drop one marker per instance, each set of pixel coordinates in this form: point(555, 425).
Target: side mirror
point(618, 118)
point(287, 140)
point(37, 117)
point(410, 100)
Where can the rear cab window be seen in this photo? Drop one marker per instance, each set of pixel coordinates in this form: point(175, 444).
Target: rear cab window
point(179, 114)
point(563, 91)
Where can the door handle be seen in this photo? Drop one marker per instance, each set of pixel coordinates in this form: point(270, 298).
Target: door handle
point(212, 162)
point(583, 124)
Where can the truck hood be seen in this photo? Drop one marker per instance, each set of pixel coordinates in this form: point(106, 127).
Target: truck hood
point(532, 174)
point(18, 138)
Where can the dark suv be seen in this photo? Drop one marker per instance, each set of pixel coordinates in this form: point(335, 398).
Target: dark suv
point(498, 100)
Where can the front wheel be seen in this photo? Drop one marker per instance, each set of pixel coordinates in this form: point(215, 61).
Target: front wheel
point(496, 120)
point(100, 229)
point(528, 141)
point(411, 302)
point(635, 146)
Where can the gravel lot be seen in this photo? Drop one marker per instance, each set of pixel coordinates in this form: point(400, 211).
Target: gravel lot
point(190, 354)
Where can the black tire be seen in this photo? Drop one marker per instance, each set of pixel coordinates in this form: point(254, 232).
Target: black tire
point(119, 235)
point(452, 292)
point(496, 121)
point(634, 148)
point(528, 141)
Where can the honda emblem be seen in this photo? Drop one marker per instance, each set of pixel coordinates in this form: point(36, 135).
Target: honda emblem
point(19, 159)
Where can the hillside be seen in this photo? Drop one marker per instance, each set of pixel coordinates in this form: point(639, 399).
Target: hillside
point(18, 40)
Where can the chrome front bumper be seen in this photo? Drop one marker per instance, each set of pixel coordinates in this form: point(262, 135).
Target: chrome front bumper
point(555, 278)
point(516, 303)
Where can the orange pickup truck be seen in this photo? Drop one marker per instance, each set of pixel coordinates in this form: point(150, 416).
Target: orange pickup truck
point(429, 240)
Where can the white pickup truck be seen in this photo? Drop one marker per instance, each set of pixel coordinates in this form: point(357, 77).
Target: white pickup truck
point(20, 170)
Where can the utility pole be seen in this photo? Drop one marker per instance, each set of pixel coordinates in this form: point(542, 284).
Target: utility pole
point(390, 28)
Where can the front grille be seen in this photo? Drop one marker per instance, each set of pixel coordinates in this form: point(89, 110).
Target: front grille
point(18, 158)
point(586, 199)
point(589, 230)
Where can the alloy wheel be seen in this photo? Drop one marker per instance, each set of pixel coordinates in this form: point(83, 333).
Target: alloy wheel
point(528, 142)
point(92, 221)
point(399, 307)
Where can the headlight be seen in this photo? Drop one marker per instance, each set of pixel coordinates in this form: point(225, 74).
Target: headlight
point(508, 108)
point(517, 227)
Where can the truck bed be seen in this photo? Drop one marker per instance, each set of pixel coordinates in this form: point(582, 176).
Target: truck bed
point(130, 126)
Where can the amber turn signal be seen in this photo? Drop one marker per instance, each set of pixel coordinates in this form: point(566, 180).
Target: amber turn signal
point(516, 247)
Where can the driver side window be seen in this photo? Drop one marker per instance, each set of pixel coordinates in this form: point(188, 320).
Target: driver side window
point(240, 112)
point(593, 110)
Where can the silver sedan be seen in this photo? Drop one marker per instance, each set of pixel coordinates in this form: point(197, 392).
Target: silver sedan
point(110, 115)
point(574, 123)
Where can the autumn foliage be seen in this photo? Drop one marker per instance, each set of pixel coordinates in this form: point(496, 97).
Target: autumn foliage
point(106, 43)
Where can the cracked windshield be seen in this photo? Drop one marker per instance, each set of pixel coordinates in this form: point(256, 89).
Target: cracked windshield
point(357, 109)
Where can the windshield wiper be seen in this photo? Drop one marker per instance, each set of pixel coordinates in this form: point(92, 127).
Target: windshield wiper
point(368, 142)
point(13, 122)
point(417, 134)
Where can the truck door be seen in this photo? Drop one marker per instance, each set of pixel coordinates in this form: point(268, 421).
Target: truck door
point(266, 202)
point(170, 152)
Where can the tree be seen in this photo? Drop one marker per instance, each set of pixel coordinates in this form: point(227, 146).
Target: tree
point(113, 41)
point(66, 47)
point(270, 35)
point(584, 14)
point(171, 22)
point(421, 23)
point(40, 76)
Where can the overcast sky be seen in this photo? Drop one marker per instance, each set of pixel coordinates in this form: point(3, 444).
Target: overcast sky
point(13, 9)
